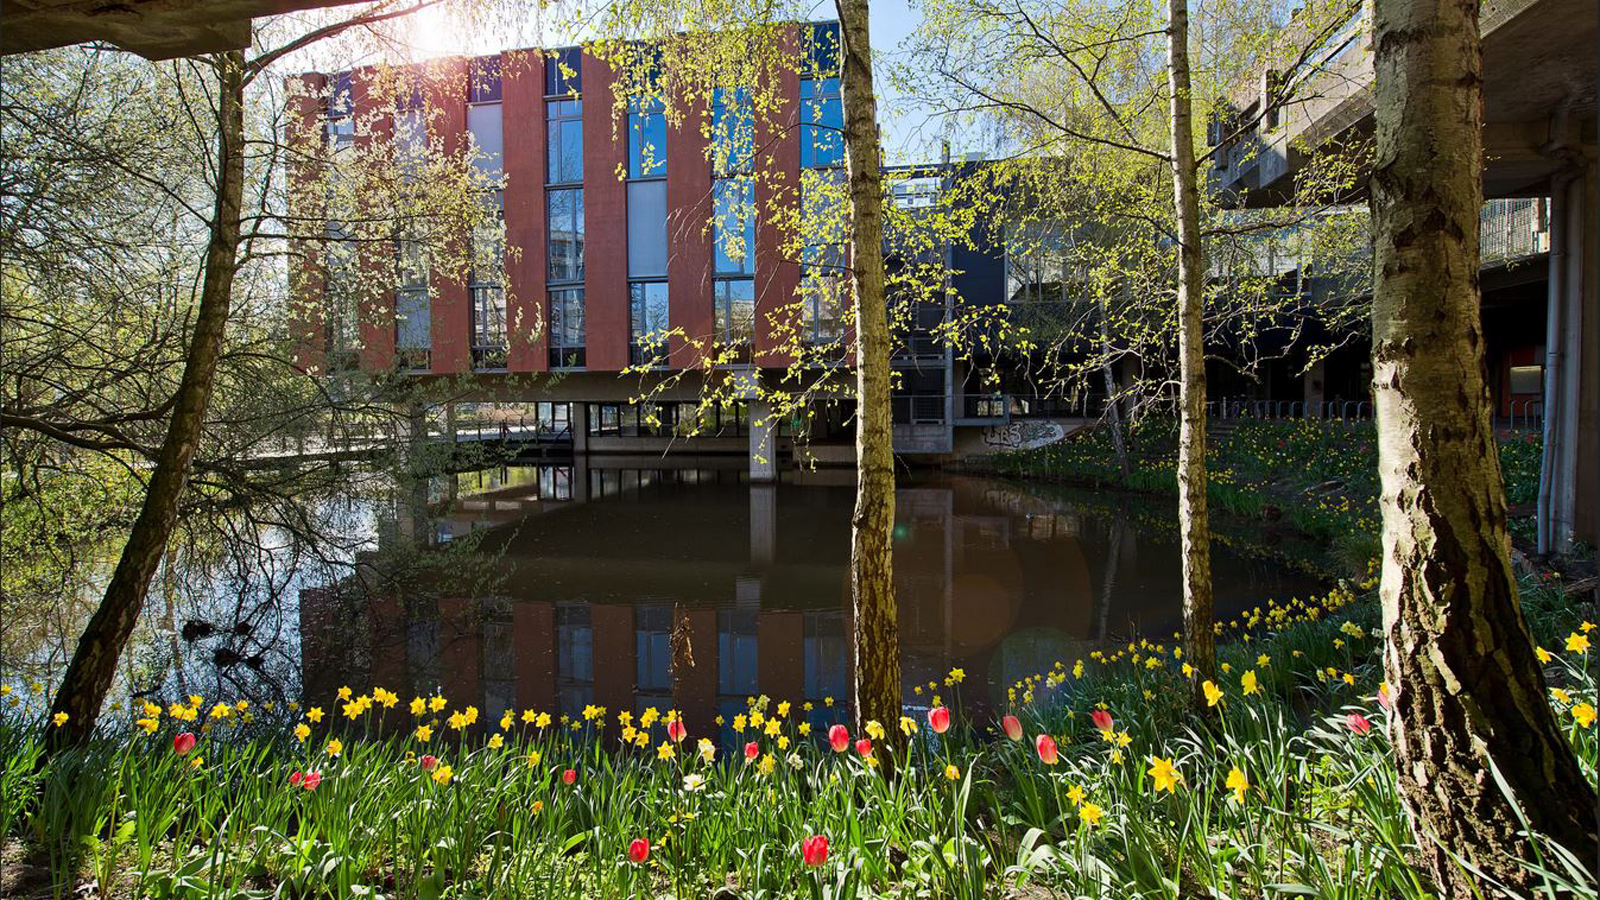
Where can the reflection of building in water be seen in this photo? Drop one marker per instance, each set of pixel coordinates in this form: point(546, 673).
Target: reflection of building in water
point(596, 586)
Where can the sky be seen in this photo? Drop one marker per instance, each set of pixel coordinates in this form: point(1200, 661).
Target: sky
point(433, 33)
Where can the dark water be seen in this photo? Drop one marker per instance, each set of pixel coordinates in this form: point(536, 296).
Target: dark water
point(545, 588)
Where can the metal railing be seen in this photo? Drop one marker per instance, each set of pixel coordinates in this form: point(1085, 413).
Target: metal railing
point(1525, 415)
point(1513, 229)
point(1244, 408)
point(918, 409)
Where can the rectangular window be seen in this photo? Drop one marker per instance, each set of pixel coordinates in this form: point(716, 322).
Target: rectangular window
point(342, 318)
point(340, 112)
point(734, 226)
point(564, 163)
point(647, 229)
point(822, 51)
point(413, 330)
point(566, 234)
point(736, 311)
point(563, 71)
point(822, 123)
point(483, 80)
point(733, 132)
point(484, 124)
point(566, 328)
point(647, 139)
point(489, 344)
point(648, 312)
point(823, 285)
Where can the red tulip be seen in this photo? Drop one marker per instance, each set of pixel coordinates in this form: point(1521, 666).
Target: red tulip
point(311, 781)
point(295, 779)
point(1358, 723)
point(1046, 745)
point(638, 851)
point(814, 850)
point(428, 762)
point(839, 737)
point(183, 743)
point(864, 747)
point(569, 776)
point(1013, 727)
point(752, 750)
point(939, 719)
point(1101, 719)
point(677, 730)
point(1384, 699)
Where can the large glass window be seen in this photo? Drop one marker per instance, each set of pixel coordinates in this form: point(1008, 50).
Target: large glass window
point(647, 139)
point(484, 123)
point(648, 312)
point(340, 112)
point(413, 337)
point(734, 226)
point(823, 285)
point(564, 120)
point(647, 229)
point(563, 72)
point(487, 288)
point(483, 113)
point(736, 311)
point(733, 132)
point(566, 328)
point(822, 121)
point(566, 234)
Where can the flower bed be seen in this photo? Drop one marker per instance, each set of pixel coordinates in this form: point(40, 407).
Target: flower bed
point(1097, 781)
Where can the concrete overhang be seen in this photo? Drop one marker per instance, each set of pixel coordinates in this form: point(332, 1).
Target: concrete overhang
point(154, 29)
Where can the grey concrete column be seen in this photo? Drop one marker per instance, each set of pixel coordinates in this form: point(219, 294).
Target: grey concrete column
point(1567, 482)
point(579, 422)
point(763, 443)
point(763, 523)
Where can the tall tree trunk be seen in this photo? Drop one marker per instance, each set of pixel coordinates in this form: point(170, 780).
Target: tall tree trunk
point(1113, 411)
point(1469, 694)
point(94, 662)
point(877, 627)
point(1194, 529)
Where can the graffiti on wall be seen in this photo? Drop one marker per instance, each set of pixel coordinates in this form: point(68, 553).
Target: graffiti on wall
point(1025, 435)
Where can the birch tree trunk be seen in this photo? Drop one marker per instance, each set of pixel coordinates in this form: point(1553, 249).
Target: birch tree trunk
point(1194, 529)
point(1469, 694)
point(88, 677)
point(877, 630)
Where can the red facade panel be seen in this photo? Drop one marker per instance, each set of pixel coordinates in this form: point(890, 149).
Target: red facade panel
point(689, 239)
point(613, 648)
point(778, 186)
point(375, 260)
point(450, 320)
point(461, 652)
point(605, 202)
point(533, 627)
point(307, 277)
point(695, 692)
point(782, 664)
point(522, 108)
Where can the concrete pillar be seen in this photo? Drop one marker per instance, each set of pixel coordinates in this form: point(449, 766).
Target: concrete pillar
point(1314, 381)
point(763, 523)
point(763, 443)
point(579, 420)
point(1567, 483)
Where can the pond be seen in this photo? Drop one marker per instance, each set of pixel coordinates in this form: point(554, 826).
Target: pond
point(553, 588)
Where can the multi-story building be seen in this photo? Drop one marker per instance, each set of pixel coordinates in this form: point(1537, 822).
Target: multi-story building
point(623, 232)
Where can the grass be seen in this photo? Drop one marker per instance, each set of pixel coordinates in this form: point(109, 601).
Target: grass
point(1318, 477)
point(1284, 796)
